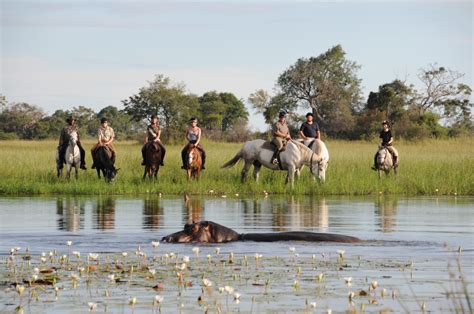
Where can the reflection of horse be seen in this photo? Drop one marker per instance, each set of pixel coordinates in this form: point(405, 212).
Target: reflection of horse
point(72, 156)
point(319, 148)
point(259, 152)
point(103, 162)
point(153, 159)
point(70, 213)
point(105, 214)
point(194, 162)
point(384, 161)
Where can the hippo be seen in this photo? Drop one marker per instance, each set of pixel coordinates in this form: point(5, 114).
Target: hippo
point(211, 232)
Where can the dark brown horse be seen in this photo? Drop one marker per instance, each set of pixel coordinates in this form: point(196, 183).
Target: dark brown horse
point(104, 163)
point(153, 159)
point(194, 162)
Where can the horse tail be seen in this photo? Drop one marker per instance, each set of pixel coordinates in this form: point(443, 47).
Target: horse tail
point(233, 161)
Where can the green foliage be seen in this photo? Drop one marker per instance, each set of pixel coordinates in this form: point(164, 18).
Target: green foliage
point(328, 84)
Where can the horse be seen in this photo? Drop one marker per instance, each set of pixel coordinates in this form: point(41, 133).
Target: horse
point(384, 161)
point(319, 148)
point(259, 152)
point(72, 157)
point(153, 159)
point(103, 162)
point(194, 163)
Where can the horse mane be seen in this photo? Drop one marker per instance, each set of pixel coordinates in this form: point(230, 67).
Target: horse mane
point(302, 147)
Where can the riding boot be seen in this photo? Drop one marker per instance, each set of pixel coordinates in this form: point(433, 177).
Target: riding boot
point(163, 156)
point(143, 154)
point(83, 156)
point(374, 167)
point(62, 152)
point(274, 157)
point(184, 157)
point(203, 157)
point(395, 161)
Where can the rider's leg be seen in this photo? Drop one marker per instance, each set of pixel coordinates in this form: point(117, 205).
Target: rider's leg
point(203, 156)
point(163, 150)
point(62, 151)
point(143, 154)
point(374, 167)
point(83, 156)
point(184, 157)
point(278, 142)
point(394, 153)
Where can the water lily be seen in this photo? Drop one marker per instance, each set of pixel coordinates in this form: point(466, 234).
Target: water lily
point(217, 250)
point(20, 289)
point(374, 284)
point(348, 280)
point(68, 243)
point(93, 256)
point(155, 244)
point(183, 266)
point(124, 254)
point(158, 299)
point(258, 256)
point(229, 289)
point(186, 259)
point(313, 304)
point(221, 290)
point(292, 249)
point(92, 306)
point(236, 296)
point(206, 282)
point(320, 277)
point(296, 284)
point(341, 253)
point(132, 301)
point(36, 270)
point(351, 295)
point(152, 271)
point(111, 277)
point(77, 254)
point(196, 250)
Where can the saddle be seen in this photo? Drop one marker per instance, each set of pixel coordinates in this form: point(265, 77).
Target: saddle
point(154, 145)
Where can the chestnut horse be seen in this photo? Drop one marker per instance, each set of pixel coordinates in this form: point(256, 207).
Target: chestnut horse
point(194, 162)
point(153, 159)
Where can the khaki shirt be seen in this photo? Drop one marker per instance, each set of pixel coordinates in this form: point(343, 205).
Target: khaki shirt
point(106, 134)
point(152, 132)
point(66, 133)
point(280, 127)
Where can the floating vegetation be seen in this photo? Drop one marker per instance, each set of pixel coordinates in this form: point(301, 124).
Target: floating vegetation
point(228, 282)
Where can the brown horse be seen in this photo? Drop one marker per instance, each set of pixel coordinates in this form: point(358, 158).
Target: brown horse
point(153, 159)
point(194, 162)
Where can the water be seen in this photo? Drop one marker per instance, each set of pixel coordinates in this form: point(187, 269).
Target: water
point(408, 245)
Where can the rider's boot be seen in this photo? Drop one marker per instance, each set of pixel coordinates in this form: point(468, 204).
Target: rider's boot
point(395, 161)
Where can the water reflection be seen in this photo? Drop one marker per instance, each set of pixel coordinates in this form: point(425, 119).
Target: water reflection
point(193, 208)
point(386, 210)
point(70, 213)
point(104, 214)
point(152, 213)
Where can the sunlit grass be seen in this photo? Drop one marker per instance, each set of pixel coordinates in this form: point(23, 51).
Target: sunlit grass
point(426, 168)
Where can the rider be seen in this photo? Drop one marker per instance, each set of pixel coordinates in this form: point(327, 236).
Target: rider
point(105, 138)
point(281, 134)
point(153, 133)
point(387, 141)
point(70, 127)
point(309, 130)
point(193, 136)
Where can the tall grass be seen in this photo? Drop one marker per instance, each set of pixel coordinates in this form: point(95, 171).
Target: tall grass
point(429, 168)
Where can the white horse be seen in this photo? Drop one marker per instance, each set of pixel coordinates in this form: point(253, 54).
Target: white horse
point(319, 148)
point(259, 152)
point(384, 161)
point(72, 156)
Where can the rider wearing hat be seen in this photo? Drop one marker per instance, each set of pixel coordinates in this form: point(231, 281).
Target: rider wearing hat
point(70, 127)
point(105, 136)
point(153, 133)
point(193, 136)
point(281, 134)
point(387, 142)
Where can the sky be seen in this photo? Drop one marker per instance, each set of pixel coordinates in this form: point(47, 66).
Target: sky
point(64, 54)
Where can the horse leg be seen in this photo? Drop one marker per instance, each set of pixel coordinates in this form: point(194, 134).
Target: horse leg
point(98, 172)
point(68, 172)
point(245, 170)
point(145, 171)
point(291, 175)
point(75, 168)
point(256, 169)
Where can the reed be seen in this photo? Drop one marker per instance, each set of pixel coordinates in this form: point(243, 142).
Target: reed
point(444, 167)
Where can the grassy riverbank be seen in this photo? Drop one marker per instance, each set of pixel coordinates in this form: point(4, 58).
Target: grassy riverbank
point(426, 168)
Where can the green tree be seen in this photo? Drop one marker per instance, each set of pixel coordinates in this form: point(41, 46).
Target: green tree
point(124, 126)
point(441, 92)
point(269, 106)
point(328, 84)
point(221, 110)
point(21, 119)
point(169, 102)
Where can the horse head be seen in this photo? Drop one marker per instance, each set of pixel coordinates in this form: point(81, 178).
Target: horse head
point(382, 157)
point(318, 166)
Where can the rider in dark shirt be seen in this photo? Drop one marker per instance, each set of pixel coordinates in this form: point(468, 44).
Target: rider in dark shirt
point(309, 130)
point(387, 141)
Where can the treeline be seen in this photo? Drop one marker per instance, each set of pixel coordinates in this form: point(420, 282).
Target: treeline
point(327, 85)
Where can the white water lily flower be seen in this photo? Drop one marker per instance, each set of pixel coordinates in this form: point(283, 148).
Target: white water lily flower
point(292, 249)
point(182, 266)
point(258, 256)
point(236, 296)
point(152, 271)
point(196, 250)
point(81, 269)
point(36, 270)
point(20, 289)
point(217, 250)
point(186, 259)
point(74, 276)
point(77, 254)
point(92, 306)
point(111, 277)
point(351, 295)
point(313, 304)
point(207, 282)
point(229, 289)
point(158, 299)
point(69, 243)
point(124, 254)
point(341, 253)
point(43, 254)
point(348, 280)
point(155, 243)
point(93, 256)
point(320, 277)
point(43, 260)
point(221, 290)
point(374, 284)
point(132, 301)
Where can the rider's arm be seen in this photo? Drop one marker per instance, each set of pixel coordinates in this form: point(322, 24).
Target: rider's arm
point(111, 137)
point(199, 137)
point(318, 135)
point(157, 136)
point(302, 135)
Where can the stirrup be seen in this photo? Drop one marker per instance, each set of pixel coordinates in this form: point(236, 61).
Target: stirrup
point(275, 161)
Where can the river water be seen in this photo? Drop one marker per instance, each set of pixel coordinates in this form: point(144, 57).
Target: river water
point(411, 246)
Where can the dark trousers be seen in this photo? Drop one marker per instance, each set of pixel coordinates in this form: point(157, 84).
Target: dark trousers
point(184, 156)
point(162, 148)
point(62, 151)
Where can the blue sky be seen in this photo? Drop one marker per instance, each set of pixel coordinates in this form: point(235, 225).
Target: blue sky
point(62, 54)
